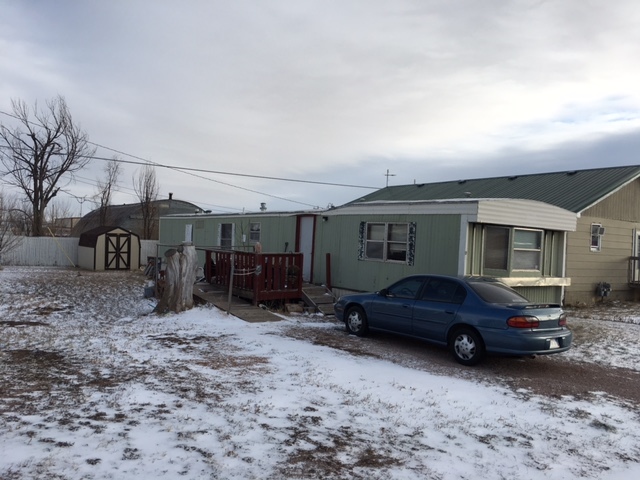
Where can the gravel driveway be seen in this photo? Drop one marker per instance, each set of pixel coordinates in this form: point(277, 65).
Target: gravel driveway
point(550, 375)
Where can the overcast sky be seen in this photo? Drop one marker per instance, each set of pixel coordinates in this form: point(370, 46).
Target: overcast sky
point(330, 91)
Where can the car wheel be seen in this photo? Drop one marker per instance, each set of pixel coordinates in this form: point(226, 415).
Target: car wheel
point(357, 321)
point(467, 346)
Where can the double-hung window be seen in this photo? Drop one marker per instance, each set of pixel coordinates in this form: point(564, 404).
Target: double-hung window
point(509, 250)
point(254, 232)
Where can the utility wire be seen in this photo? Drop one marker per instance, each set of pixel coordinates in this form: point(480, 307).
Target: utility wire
point(190, 171)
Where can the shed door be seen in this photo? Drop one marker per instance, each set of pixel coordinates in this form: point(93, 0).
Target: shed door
point(118, 251)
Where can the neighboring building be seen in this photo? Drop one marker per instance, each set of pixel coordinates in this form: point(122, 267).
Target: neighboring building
point(129, 216)
point(62, 227)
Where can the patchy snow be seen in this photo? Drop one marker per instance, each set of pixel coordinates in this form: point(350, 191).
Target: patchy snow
point(96, 386)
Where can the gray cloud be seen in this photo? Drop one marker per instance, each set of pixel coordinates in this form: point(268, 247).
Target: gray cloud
point(337, 91)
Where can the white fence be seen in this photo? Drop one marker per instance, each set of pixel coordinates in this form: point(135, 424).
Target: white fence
point(58, 252)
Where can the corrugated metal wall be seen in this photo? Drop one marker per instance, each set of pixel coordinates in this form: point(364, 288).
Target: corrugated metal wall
point(436, 250)
point(57, 252)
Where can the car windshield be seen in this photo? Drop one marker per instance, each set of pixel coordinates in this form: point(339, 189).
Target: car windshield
point(497, 293)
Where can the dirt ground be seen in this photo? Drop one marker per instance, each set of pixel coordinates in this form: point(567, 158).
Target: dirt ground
point(552, 375)
point(549, 375)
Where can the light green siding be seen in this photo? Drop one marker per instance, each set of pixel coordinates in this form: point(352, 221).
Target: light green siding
point(541, 294)
point(277, 232)
point(436, 250)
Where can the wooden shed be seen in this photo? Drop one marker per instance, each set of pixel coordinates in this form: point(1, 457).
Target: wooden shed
point(109, 248)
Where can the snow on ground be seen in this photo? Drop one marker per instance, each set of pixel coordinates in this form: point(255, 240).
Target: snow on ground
point(93, 385)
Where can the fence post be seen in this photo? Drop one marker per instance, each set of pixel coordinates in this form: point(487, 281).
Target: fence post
point(232, 272)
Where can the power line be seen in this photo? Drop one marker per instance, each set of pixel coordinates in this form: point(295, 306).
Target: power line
point(218, 172)
point(190, 171)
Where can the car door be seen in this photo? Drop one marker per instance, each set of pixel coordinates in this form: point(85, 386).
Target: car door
point(392, 310)
point(437, 307)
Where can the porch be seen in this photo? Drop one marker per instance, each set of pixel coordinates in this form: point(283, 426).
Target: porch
point(258, 277)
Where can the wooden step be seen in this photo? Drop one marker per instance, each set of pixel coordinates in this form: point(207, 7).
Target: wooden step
point(318, 297)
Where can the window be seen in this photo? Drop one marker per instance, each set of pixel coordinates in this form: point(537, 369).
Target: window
point(596, 237)
point(496, 248)
point(527, 249)
point(512, 249)
point(406, 288)
point(443, 290)
point(254, 232)
point(496, 293)
point(387, 242)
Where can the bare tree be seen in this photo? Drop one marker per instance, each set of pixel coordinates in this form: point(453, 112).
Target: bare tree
point(106, 187)
point(9, 217)
point(38, 155)
point(146, 188)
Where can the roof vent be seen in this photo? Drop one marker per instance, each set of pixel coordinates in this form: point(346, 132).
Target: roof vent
point(467, 194)
point(513, 177)
point(460, 182)
point(572, 172)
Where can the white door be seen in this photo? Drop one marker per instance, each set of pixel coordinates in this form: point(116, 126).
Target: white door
point(305, 241)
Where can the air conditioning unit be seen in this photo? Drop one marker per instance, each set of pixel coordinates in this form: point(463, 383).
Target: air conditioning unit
point(601, 231)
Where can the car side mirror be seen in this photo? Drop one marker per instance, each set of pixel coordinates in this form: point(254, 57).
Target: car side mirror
point(384, 292)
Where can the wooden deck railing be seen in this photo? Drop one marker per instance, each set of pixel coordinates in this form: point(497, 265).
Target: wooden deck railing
point(258, 277)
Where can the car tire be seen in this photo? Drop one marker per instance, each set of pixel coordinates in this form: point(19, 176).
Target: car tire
point(356, 322)
point(467, 346)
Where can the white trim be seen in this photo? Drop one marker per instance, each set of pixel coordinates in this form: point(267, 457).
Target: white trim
point(536, 281)
point(463, 246)
point(498, 211)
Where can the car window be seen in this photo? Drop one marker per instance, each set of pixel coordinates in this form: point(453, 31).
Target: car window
point(497, 293)
point(443, 290)
point(407, 288)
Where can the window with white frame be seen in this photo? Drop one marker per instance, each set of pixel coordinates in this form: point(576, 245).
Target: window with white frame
point(527, 249)
point(508, 249)
point(596, 237)
point(254, 232)
point(387, 242)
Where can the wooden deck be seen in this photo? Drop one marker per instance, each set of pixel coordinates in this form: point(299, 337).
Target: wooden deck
point(240, 308)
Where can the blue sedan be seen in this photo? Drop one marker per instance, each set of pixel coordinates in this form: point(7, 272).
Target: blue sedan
point(472, 316)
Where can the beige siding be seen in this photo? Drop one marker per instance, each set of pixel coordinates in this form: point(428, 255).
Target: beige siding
point(622, 205)
point(619, 214)
point(611, 264)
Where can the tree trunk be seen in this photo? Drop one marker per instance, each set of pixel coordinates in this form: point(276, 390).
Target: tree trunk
point(180, 274)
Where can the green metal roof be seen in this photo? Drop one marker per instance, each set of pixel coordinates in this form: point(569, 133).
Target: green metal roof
point(573, 190)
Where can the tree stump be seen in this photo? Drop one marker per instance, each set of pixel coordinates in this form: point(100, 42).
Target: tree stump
point(180, 275)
